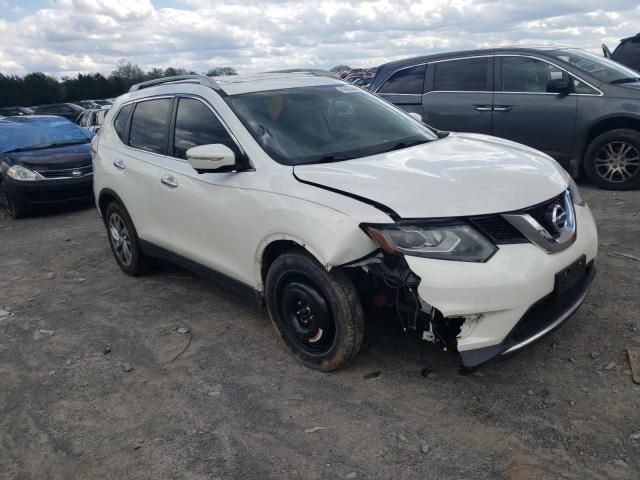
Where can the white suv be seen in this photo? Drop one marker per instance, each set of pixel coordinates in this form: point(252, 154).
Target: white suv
point(325, 199)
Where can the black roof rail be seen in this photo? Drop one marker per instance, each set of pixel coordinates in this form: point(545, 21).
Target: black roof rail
point(311, 71)
point(200, 79)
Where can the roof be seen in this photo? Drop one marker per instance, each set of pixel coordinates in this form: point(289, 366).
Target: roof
point(34, 119)
point(239, 84)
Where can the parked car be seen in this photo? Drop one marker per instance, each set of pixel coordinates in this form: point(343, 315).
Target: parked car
point(105, 102)
point(571, 104)
point(87, 104)
point(92, 119)
point(69, 111)
point(15, 111)
point(320, 197)
point(359, 80)
point(44, 160)
point(626, 53)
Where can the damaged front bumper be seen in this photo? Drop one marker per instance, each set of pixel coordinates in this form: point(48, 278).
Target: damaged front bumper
point(513, 299)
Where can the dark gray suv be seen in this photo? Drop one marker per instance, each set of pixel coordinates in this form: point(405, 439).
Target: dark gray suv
point(580, 108)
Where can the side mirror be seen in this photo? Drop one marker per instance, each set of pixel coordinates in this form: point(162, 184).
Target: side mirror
point(559, 85)
point(415, 115)
point(211, 158)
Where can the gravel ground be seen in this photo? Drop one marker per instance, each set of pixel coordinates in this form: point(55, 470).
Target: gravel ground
point(226, 401)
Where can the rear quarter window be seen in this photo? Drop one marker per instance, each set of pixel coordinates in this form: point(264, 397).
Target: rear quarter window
point(406, 81)
point(120, 123)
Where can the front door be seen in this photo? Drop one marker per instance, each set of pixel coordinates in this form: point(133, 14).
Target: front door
point(525, 112)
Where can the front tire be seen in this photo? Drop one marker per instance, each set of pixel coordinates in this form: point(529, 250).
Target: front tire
point(317, 314)
point(124, 241)
point(612, 160)
point(14, 211)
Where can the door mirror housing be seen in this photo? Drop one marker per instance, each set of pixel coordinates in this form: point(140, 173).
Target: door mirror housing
point(415, 115)
point(214, 157)
point(559, 85)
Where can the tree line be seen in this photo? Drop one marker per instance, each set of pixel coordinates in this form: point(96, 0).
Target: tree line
point(38, 88)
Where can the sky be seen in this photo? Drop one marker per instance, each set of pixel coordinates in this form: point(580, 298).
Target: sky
point(65, 37)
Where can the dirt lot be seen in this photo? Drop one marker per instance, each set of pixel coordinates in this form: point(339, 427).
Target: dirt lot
point(234, 404)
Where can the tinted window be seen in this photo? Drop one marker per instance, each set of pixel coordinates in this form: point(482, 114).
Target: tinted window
point(408, 80)
point(197, 125)
point(149, 125)
point(629, 54)
point(524, 74)
point(471, 74)
point(121, 120)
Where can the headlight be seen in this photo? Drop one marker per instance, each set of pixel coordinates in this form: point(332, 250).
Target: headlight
point(446, 241)
point(575, 192)
point(18, 172)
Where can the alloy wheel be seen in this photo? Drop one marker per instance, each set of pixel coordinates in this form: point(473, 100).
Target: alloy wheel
point(120, 239)
point(617, 161)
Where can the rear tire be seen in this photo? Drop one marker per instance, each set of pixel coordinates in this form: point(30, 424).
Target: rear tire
point(124, 241)
point(317, 314)
point(612, 160)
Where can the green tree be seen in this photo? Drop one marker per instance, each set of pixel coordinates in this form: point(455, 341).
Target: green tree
point(340, 68)
point(221, 71)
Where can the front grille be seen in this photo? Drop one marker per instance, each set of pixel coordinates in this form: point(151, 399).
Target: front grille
point(539, 212)
point(498, 229)
point(66, 172)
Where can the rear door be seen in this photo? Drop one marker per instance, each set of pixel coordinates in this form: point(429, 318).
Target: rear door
point(523, 110)
point(405, 87)
point(458, 94)
point(203, 211)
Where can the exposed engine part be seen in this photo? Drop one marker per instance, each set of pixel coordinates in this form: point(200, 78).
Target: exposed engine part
point(387, 280)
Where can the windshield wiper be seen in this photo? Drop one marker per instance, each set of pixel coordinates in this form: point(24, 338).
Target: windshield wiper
point(625, 80)
point(333, 158)
point(42, 146)
point(405, 144)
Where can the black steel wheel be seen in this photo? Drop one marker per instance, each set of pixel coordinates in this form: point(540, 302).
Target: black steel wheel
point(317, 313)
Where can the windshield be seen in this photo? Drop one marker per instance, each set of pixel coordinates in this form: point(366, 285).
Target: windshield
point(18, 135)
point(326, 123)
point(601, 68)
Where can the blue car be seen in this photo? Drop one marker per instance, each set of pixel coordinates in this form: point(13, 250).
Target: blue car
point(44, 160)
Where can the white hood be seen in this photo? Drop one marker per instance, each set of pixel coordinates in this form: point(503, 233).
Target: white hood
point(462, 174)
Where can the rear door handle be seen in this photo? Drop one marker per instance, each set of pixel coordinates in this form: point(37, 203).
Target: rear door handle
point(119, 164)
point(502, 108)
point(169, 181)
point(482, 108)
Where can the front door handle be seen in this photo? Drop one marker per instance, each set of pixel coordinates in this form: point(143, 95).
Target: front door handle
point(119, 164)
point(482, 108)
point(502, 108)
point(169, 181)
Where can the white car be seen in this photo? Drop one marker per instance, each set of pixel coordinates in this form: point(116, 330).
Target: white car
point(324, 199)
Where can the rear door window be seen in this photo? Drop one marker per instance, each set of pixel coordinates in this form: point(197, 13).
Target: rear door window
point(407, 81)
point(149, 125)
point(464, 75)
point(197, 125)
point(629, 54)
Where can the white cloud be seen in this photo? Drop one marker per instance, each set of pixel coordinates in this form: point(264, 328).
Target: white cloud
point(73, 36)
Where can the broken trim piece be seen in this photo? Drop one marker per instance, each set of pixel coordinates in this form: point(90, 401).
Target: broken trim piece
point(394, 216)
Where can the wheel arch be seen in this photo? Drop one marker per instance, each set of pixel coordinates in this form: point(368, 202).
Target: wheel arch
point(277, 244)
point(105, 197)
point(606, 124)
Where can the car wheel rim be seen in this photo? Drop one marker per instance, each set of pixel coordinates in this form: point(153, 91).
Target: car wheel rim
point(306, 315)
point(120, 239)
point(617, 162)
